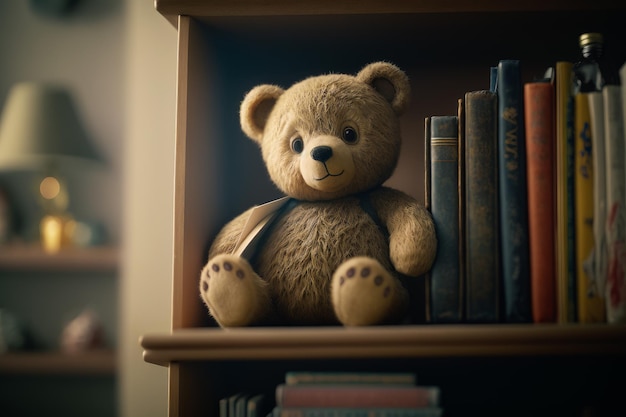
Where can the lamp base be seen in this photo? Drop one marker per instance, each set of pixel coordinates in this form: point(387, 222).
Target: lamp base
point(55, 232)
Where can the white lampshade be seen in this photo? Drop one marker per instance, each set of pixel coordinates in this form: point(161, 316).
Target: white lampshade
point(41, 127)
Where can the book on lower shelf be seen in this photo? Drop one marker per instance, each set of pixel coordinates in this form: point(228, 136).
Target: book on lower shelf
point(356, 412)
point(357, 395)
point(245, 405)
point(308, 378)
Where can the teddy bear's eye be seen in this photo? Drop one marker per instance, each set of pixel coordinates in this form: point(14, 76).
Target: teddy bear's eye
point(349, 135)
point(297, 145)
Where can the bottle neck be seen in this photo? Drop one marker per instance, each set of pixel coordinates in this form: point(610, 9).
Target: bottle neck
point(592, 51)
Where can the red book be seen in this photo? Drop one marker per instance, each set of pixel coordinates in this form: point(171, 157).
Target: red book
point(540, 138)
point(380, 396)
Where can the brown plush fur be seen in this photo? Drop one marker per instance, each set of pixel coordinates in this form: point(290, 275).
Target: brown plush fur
point(326, 261)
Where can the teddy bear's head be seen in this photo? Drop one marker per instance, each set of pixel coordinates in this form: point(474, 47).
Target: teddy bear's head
point(332, 135)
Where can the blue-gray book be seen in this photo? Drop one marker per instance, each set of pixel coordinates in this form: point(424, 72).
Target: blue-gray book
point(445, 275)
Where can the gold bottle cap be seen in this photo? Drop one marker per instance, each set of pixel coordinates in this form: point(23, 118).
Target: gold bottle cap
point(589, 38)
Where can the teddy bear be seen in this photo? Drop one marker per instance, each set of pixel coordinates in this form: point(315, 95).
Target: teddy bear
point(336, 249)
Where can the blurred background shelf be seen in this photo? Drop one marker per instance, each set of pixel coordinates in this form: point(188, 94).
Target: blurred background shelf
point(31, 257)
point(97, 362)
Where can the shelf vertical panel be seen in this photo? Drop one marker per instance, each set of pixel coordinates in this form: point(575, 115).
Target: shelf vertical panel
point(196, 173)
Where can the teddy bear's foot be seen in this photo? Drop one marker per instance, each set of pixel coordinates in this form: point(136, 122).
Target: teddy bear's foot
point(234, 293)
point(364, 292)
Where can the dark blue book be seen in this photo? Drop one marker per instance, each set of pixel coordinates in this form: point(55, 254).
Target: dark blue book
point(445, 290)
point(513, 193)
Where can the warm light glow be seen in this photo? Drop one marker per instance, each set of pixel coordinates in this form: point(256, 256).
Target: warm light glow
point(51, 233)
point(49, 188)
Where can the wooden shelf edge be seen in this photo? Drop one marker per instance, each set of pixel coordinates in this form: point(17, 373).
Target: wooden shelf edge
point(98, 362)
point(171, 9)
point(381, 342)
point(34, 258)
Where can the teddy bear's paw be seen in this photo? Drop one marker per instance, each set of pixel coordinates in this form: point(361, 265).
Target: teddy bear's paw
point(363, 292)
point(234, 293)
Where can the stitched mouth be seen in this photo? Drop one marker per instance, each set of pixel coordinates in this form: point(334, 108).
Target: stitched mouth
point(328, 174)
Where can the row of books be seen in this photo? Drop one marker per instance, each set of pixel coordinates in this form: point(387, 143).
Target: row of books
point(339, 394)
point(514, 181)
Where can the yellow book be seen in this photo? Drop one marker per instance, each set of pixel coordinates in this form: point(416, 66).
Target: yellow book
point(565, 271)
point(591, 308)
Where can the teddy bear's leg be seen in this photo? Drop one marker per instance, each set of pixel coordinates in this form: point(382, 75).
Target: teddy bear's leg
point(365, 293)
point(233, 292)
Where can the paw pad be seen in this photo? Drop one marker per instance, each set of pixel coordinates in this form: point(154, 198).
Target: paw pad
point(227, 267)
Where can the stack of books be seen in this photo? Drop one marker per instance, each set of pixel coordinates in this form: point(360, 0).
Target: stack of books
point(340, 394)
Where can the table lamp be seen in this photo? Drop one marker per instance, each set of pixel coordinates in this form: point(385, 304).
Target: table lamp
point(40, 130)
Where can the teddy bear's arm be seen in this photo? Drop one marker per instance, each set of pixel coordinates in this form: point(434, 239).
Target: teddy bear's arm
point(412, 238)
point(227, 238)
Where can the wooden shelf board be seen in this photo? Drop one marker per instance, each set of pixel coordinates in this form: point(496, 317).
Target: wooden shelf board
point(171, 9)
point(99, 362)
point(381, 342)
point(34, 258)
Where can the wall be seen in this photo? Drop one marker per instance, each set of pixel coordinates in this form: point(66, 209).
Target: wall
point(148, 196)
point(85, 52)
point(118, 59)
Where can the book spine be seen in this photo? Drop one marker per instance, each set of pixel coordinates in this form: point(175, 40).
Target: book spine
point(381, 396)
point(356, 396)
point(590, 303)
point(258, 406)
point(566, 289)
point(427, 205)
point(493, 79)
point(572, 292)
point(357, 412)
point(482, 256)
point(444, 204)
point(616, 205)
point(427, 169)
point(513, 193)
point(461, 206)
point(303, 378)
point(598, 155)
point(539, 128)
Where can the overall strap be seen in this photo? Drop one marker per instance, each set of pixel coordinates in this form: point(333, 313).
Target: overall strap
point(365, 201)
point(263, 233)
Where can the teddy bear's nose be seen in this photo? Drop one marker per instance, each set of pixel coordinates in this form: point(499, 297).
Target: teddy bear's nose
point(322, 153)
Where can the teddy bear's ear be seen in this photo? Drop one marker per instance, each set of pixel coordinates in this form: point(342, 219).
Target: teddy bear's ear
point(255, 109)
point(390, 82)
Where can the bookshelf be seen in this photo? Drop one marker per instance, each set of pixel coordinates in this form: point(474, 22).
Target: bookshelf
point(227, 47)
